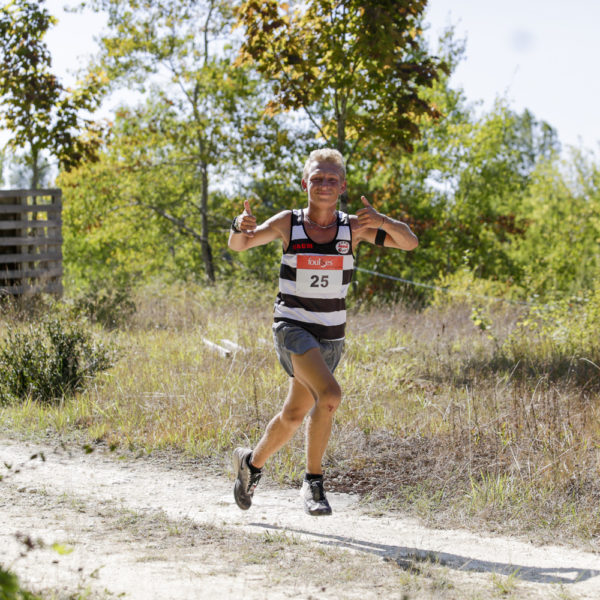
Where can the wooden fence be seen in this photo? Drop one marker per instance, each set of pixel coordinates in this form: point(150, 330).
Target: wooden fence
point(30, 242)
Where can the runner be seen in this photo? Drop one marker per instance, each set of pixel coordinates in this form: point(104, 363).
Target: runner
point(310, 314)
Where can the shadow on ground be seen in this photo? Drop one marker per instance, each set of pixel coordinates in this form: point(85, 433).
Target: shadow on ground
point(409, 558)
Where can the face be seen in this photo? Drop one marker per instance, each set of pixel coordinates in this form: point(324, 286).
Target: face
point(324, 183)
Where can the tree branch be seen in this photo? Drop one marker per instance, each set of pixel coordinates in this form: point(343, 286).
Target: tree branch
point(179, 223)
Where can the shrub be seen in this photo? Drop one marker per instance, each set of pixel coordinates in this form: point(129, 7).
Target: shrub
point(10, 588)
point(49, 361)
point(559, 339)
point(109, 306)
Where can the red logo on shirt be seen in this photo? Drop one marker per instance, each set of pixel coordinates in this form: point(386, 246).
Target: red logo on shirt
point(308, 261)
point(302, 246)
point(343, 247)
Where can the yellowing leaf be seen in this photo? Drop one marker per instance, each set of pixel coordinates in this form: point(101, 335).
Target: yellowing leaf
point(61, 549)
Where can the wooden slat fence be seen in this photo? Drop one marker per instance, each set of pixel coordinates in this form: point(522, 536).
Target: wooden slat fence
point(30, 242)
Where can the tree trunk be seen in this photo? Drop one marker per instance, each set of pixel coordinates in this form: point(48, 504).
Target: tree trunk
point(206, 249)
point(341, 145)
point(35, 168)
point(344, 201)
point(207, 256)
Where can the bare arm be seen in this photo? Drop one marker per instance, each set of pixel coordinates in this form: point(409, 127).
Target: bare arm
point(277, 227)
point(367, 221)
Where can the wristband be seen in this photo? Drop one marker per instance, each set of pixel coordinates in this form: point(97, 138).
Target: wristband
point(234, 227)
point(380, 237)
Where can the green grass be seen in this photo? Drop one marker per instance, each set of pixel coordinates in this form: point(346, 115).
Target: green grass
point(458, 424)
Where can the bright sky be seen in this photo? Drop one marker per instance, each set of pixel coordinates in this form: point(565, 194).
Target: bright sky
point(538, 54)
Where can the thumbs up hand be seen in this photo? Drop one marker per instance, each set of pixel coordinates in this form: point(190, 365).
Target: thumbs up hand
point(368, 217)
point(246, 222)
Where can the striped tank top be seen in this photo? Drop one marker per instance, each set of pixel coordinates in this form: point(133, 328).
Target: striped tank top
point(314, 280)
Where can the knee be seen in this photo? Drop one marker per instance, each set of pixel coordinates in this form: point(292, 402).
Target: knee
point(292, 417)
point(329, 398)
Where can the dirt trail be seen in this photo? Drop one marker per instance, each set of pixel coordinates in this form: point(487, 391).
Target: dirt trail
point(146, 529)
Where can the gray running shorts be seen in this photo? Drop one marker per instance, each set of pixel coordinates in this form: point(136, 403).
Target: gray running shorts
point(291, 339)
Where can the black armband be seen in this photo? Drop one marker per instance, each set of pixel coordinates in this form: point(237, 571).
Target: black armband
point(380, 237)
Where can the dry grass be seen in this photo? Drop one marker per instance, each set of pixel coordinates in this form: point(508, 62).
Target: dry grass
point(441, 417)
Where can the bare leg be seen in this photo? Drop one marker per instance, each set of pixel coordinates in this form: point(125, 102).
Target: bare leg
point(311, 370)
point(283, 425)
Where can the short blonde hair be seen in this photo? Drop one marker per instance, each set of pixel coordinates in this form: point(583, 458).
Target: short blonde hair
point(326, 155)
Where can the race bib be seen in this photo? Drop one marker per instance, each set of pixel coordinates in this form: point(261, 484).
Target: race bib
point(319, 276)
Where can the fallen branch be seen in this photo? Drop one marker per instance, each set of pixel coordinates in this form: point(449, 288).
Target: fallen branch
point(220, 349)
point(232, 346)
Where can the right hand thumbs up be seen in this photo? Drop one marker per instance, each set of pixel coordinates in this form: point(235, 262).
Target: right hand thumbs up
point(246, 222)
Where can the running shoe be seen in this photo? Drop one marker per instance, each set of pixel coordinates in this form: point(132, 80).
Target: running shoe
point(313, 496)
point(246, 481)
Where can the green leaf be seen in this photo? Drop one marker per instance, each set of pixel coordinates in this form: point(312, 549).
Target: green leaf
point(61, 549)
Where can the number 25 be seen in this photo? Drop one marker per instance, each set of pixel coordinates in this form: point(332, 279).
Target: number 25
point(315, 281)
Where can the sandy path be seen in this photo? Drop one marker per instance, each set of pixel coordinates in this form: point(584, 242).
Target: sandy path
point(147, 529)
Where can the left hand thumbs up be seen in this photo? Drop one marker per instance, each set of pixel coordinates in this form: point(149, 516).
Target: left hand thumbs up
point(368, 216)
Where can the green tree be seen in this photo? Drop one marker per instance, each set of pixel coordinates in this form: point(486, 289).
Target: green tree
point(536, 141)
point(561, 211)
point(355, 68)
point(39, 112)
point(462, 190)
point(126, 217)
point(205, 112)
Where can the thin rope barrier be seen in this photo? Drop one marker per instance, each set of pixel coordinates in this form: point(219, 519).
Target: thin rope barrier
point(441, 289)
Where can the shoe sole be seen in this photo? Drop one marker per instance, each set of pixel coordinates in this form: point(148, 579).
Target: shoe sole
point(318, 513)
point(238, 457)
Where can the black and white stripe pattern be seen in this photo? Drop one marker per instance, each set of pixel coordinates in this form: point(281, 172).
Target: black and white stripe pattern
point(320, 309)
